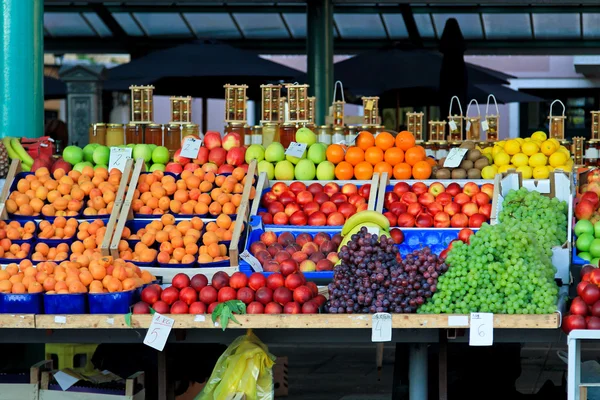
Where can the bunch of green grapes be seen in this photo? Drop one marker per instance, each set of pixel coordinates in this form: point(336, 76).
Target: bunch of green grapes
point(542, 216)
point(503, 270)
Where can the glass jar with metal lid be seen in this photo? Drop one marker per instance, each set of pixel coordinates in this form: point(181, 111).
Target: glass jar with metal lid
point(97, 133)
point(115, 135)
point(153, 134)
point(339, 135)
point(256, 135)
point(133, 134)
point(592, 153)
point(287, 134)
point(270, 133)
point(430, 149)
point(368, 128)
point(442, 150)
point(189, 130)
point(172, 137)
point(324, 134)
point(352, 134)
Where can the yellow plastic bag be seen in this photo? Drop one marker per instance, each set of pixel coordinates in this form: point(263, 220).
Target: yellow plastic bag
point(245, 367)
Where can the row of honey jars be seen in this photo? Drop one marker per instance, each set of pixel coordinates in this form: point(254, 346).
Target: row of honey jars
point(591, 155)
point(169, 135)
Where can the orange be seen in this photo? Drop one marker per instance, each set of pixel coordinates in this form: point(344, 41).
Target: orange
point(354, 155)
point(405, 140)
point(402, 171)
point(414, 155)
point(335, 153)
point(363, 170)
point(365, 140)
point(374, 155)
point(421, 170)
point(344, 171)
point(385, 140)
point(382, 167)
point(431, 161)
point(394, 156)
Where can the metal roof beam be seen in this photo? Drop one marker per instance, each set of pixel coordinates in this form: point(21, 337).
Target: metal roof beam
point(107, 18)
point(411, 25)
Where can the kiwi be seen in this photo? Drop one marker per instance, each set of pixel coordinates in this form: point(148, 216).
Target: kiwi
point(442, 173)
point(459, 173)
point(474, 155)
point(466, 164)
point(467, 144)
point(474, 173)
point(481, 163)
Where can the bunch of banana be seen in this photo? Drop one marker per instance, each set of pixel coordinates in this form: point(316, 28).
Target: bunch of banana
point(17, 152)
point(374, 221)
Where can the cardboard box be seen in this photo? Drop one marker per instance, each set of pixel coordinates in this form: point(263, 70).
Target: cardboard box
point(559, 185)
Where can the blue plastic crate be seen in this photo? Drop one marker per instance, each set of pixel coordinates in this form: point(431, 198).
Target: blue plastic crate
point(25, 303)
point(111, 303)
point(435, 238)
point(74, 303)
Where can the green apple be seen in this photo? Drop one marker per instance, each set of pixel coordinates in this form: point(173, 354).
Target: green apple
point(326, 171)
point(295, 160)
point(266, 167)
point(101, 155)
point(79, 166)
point(97, 166)
point(160, 155)
point(305, 170)
point(596, 229)
point(275, 152)
point(73, 155)
point(584, 241)
point(595, 261)
point(584, 226)
point(157, 167)
point(142, 151)
point(585, 255)
point(152, 146)
point(316, 153)
point(594, 248)
point(305, 135)
point(88, 151)
point(255, 152)
point(284, 171)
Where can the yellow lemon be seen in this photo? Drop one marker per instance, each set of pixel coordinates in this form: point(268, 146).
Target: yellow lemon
point(512, 147)
point(563, 149)
point(487, 150)
point(505, 168)
point(557, 159)
point(526, 171)
point(497, 149)
point(519, 159)
point(548, 147)
point(501, 159)
point(520, 140)
point(539, 135)
point(501, 143)
point(489, 172)
point(541, 173)
point(556, 142)
point(530, 148)
point(538, 160)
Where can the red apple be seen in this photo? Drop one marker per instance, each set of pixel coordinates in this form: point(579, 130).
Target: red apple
point(424, 220)
point(245, 295)
point(174, 168)
point(275, 280)
point(279, 188)
point(465, 235)
point(488, 188)
point(426, 199)
point(161, 307)
point(218, 155)
point(310, 307)
point(584, 209)
point(256, 281)
point(188, 295)
point(317, 219)
point(179, 307)
point(592, 197)
point(459, 220)
point(310, 248)
point(291, 208)
point(287, 197)
point(297, 187)
point(470, 208)
point(398, 208)
point(390, 197)
point(303, 238)
point(349, 189)
point(180, 159)
point(321, 237)
point(288, 267)
point(400, 188)
point(268, 238)
point(311, 207)
point(595, 276)
point(273, 308)
point(264, 295)
point(220, 280)
point(436, 188)
point(331, 188)
point(336, 219)
point(579, 307)
point(408, 198)
point(232, 140)
point(419, 188)
point(441, 220)
point(470, 189)
point(211, 307)
point(170, 295)
point(356, 199)
point(476, 220)
point(298, 218)
point(347, 210)
point(461, 199)
point(280, 218)
point(255, 308)
point(239, 280)
point(282, 295)
point(481, 198)
point(328, 207)
point(208, 295)
point(202, 157)
point(302, 294)
point(197, 307)
point(454, 189)
point(365, 191)
point(320, 198)
point(590, 294)
point(212, 140)
point(406, 220)
point(304, 197)
point(391, 217)
point(235, 156)
point(325, 265)
point(292, 308)
point(315, 188)
point(434, 208)
point(275, 207)
point(226, 294)
point(486, 210)
point(338, 198)
point(199, 281)
point(141, 308)
point(192, 167)
point(268, 198)
point(150, 295)
point(572, 322)
point(414, 209)
point(293, 281)
point(397, 235)
point(444, 198)
point(271, 266)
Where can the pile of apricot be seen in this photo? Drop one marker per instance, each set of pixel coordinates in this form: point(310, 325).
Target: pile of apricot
point(60, 228)
point(90, 236)
point(43, 252)
point(15, 230)
point(8, 249)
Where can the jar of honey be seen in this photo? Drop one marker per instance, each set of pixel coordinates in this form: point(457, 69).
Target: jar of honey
point(190, 130)
point(592, 153)
point(172, 137)
point(352, 134)
point(442, 150)
point(324, 134)
point(270, 133)
point(287, 134)
point(133, 134)
point(339, 135)
point(97, 133)
point(115, 135)
point(430, 149)
point(255, 135)
point(154, 134)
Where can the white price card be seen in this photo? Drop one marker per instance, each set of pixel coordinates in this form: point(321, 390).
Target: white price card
point(253, 261)
point(373, 230)
point(458, 320)
point(484, 125)
point(481, 331)
point(452, 125)
point(118, 157)
point(455, 157)
point(158, 332)
point(191, 147)
point(381, 330)
point(296, 149)
point(468, 126)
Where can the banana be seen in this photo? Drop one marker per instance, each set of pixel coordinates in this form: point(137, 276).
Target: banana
point(20, 151)
point(11, 153)
point(363, 217)
point(25, 167)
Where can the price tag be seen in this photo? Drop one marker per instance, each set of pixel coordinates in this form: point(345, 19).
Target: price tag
point(481, 332)
point(253, 261)
point(381, 330)
point(484, 125)
point(59, 319)
point(468, 126)
point(369, 105)
point(191, 147)
point(452, 125)
point(296, 149)
point(455, 157)
point(118, 157)
point(158, 332)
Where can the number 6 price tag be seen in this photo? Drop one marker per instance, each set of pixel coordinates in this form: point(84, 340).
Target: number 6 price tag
point(158, 332)
point(118, 157)
point(381, 330)
point(481, 332)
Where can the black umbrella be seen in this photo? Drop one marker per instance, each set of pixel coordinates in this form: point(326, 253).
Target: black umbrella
point(198, 69)
point(54, 88)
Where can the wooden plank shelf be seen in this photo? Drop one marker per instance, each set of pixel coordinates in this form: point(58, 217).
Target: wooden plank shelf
point(17, 321)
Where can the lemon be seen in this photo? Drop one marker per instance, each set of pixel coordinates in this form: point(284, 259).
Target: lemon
point(489, 172)
point(501, 143)
point(558, 159)
point(530, 148)
point(505, 168)
point(519, 159)
point(520, 140)
point(563, 149)
point(538, 160)
point(512, 147)
point(539, 135)
point(556, 142)
point(548, 147)
point(541, 173)
point(497, 149)
point(489, 157)
point(501, 159)
point(569, 166)
point(487, 150)
point(526, 171)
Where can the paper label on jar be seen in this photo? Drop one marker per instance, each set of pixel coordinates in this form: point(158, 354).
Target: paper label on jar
point(591, 153)
point(452, 125)
point(468, 125)
point(118, 157)
point(484, 125)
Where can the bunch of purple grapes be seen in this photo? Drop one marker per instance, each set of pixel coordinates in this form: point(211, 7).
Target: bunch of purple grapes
point(373, 278)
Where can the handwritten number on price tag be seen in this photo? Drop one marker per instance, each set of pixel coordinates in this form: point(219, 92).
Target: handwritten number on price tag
point(191, 147)
point(481, 331)
point(484, 125)
point(118, 157)
point(296, 149)
point(253, 261)
point(455, 157)
point(158, 332)
point(381, 327)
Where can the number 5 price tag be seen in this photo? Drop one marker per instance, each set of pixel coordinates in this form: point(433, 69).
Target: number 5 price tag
point(191, 147)
point(118, 157)
point(381, 330)
point(158, 332)
point(481, 332)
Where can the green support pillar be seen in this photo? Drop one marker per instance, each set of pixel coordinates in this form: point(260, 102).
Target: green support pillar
point(22, 68)
point(319, 48)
